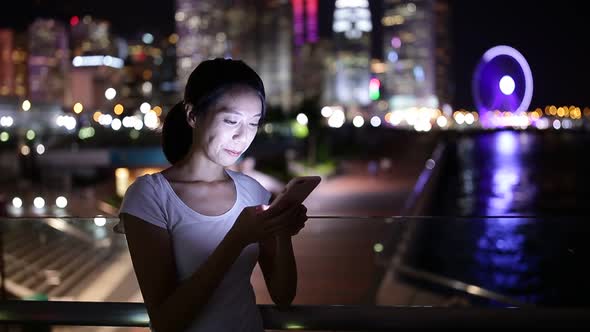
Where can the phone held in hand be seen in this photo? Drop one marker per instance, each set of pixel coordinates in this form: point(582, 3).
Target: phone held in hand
point(295, 192)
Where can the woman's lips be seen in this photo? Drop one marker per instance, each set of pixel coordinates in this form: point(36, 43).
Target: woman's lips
point(233, 153)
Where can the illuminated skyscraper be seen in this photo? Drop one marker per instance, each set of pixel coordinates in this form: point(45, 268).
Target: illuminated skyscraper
point(48, 61)
point(305, 22)
point(255, 31)
point(90, 36)
point(151, 73)
point(7, 66)
point(309, 51)
point(201, 26)
point(349, 75)
point(416, 50)
point(274, 49)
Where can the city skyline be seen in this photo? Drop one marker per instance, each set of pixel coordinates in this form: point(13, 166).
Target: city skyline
point(549, 36)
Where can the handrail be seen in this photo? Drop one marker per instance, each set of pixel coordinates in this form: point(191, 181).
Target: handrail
point(391, 258)
point(301, 317)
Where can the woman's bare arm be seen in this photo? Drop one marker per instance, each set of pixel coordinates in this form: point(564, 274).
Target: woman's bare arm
point(277, 263)
point(171, 305)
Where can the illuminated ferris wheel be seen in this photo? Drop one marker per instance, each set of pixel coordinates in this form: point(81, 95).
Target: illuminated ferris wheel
point(502, 81)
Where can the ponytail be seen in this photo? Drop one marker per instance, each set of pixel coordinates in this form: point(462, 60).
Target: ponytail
point(177, 135)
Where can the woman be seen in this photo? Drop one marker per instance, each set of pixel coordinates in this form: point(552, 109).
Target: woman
point(196, 230)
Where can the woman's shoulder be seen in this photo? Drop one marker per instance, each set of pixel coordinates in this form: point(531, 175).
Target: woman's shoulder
point(143, 200)
point(244, 179)
point(144, 182)
point(251, 186)
point(145, 185)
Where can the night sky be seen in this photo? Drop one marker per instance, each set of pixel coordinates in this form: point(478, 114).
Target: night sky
point(553, 36)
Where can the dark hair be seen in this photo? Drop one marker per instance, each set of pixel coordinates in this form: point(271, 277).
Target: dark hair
point(208, 82)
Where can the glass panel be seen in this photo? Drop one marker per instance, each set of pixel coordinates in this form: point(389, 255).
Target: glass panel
point(434, 261)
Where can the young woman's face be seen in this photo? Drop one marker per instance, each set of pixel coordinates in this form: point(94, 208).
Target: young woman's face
point(230, 126)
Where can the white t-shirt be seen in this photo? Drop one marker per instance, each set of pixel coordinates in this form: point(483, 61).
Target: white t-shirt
point(195, 236)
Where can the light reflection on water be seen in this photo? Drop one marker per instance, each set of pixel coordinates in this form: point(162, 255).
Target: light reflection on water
point(535, 260)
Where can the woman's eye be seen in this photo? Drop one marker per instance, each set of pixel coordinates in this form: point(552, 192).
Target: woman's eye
point(254, 124)
point(230, 122)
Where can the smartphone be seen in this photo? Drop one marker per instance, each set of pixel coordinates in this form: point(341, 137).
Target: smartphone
point(295, 192)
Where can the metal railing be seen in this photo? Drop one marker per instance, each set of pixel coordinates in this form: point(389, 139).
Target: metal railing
point(333, 318)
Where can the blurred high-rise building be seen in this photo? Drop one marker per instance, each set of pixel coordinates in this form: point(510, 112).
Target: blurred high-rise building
point(255, 31)
point(13, 64)
point(90, 36)
point(7, 72)
point(305, 22)
point(201, 28)
point(349, 72)
point(309, 51)
point(150, 72)
point(416, 52)
point(48, 61)
point(96, 62)
point(274, 49)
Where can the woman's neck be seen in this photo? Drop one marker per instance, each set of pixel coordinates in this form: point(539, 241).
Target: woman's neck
point(197, 167)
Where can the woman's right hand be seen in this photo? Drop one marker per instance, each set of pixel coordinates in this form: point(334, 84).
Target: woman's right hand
point(252, 226)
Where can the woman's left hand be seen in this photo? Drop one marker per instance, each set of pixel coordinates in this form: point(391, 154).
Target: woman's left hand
point(293, 219)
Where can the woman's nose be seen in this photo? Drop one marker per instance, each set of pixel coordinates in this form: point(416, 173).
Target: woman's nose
point(239, 134)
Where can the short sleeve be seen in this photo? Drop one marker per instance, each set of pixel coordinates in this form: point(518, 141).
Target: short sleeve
point(266, 195)
point(261, 194)
point(141, 200)
point(257, 194)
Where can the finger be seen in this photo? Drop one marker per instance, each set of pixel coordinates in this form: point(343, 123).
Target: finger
point(286, 217)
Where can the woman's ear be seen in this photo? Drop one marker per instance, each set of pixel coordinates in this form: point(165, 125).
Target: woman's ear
point(191, 117)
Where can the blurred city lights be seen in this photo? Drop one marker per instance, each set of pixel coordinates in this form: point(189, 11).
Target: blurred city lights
point(146, 88)
point(26, 105)
point(110, 93)
point(173, 38)
point(96, 116)
point(40, 149)
point(78, 108)
point(116, 124)
point(100, 221)
point(61, 202)
point(118, 109)
point(6, 121)
point(4, 136)
point(302, 119)
point(105, 119)
point(74, 20)
point(299, 130)
point(358, 121)
point(378, 247)
point(337, 119)
point(86, 132)
point(151, 120)
point(145, 107)
point(375, 121)
point(374, 86)
point(97, 60)
point(25, 150)
point(138, 124)
point(39, 202)
point(327, 111)
point(147, 38)
point(30, 134)
point(441, 121)
point(134, 134)
point(17, 202)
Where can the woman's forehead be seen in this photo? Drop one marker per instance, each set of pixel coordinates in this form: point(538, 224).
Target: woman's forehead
point(244, 102)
